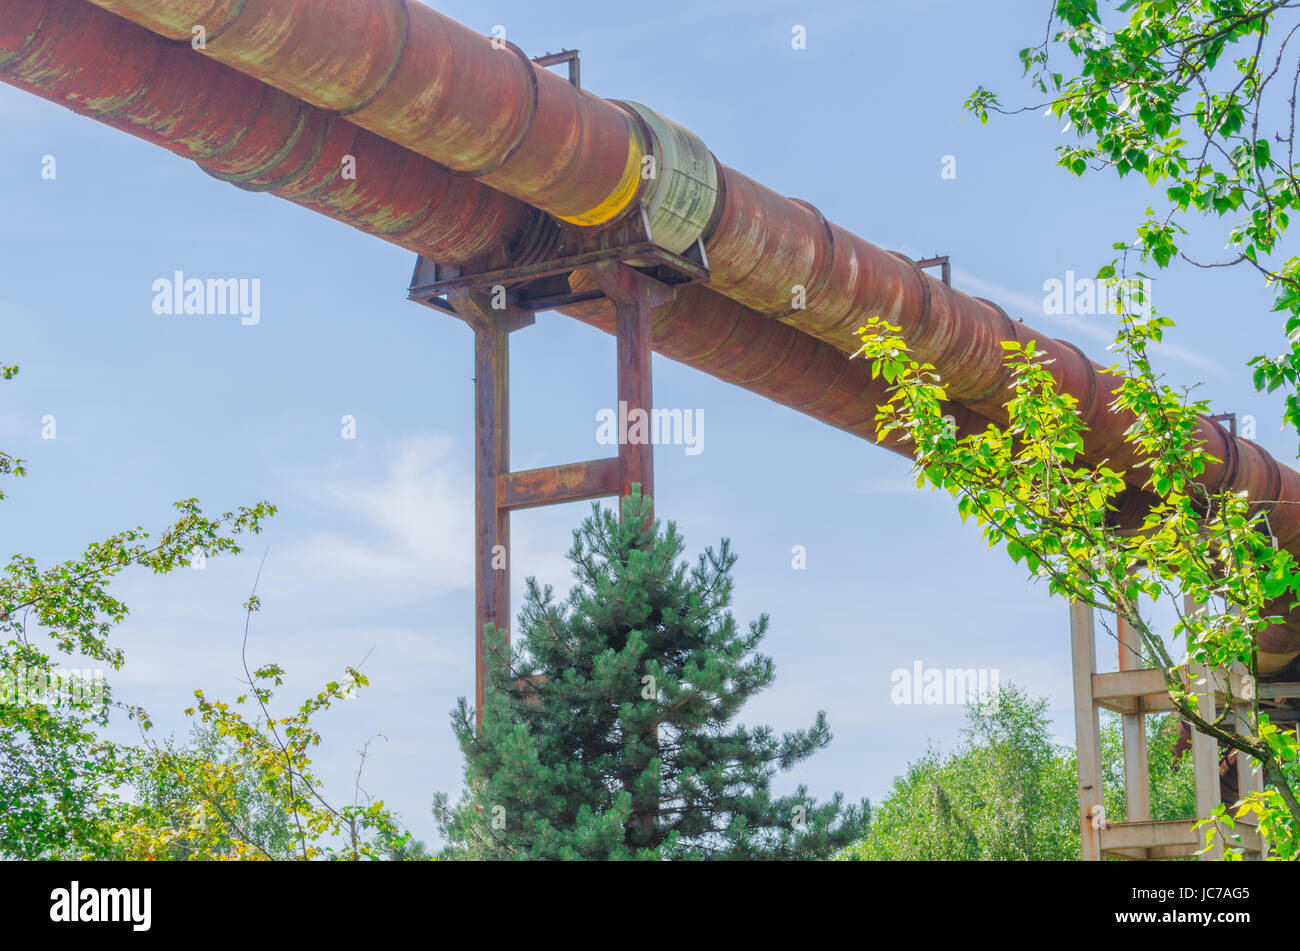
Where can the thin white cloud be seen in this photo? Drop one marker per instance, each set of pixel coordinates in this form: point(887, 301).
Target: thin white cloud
point(1015, 303)
point(406, 530)
point(1030, 307)
point(409, 526)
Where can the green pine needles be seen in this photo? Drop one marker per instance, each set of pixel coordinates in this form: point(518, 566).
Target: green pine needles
point(608, 730)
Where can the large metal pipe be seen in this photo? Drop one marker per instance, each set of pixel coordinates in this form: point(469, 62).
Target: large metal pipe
point(242, 131)
point(245, 132)
point(762, 247)
point(478, 106)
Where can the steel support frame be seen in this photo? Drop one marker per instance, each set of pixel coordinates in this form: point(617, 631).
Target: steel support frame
point(499, 490)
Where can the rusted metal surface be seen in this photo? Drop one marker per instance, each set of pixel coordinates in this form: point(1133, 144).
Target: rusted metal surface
point(475, 104)
point(571, 57)
point(707, 331)
point(634, 297)
point(491, 467)
point(245, 132)
point(535, 267)
point(765, 249)
point(574, 482)
point(762, 249)
point(942, 263)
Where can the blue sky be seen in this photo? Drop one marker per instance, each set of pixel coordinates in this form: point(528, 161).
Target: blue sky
point(370, 556)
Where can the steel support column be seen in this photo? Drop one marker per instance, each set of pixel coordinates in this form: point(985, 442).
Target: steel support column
point(492, 329)
point(635, 296)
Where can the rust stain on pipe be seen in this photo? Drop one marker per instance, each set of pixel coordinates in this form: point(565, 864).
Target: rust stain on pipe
point(245, 132)
point(475, 104)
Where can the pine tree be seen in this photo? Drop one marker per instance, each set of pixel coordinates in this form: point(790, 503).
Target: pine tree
point(608, 729)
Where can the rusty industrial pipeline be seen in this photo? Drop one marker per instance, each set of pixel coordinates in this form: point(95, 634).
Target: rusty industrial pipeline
point(451, 123)
point(245, 132)
point(480, 107)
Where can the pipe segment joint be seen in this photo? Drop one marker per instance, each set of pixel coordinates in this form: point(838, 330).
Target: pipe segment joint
point(681, 197)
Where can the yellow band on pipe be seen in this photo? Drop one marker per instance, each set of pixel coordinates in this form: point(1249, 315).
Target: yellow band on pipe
point(623, 194)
